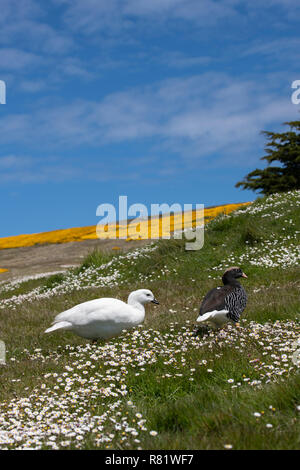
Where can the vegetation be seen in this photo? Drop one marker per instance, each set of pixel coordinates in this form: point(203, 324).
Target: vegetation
point(283, 148)
point(89, 232)
point(158, 387)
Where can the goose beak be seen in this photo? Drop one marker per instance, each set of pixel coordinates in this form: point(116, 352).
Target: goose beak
point(154, 301)
point(244, 275)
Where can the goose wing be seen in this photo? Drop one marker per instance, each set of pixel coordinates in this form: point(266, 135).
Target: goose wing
point(104, 309)
point(215, 299)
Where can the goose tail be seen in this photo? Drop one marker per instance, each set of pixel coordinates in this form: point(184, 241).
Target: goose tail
point(204, 317)
point(62, 325)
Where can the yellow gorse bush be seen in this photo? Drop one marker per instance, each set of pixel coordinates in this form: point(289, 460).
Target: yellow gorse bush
point(144, 229)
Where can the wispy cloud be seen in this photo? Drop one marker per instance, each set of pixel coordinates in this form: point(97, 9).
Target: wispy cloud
point(16, 59)
point(26, 21)
point(31, 41)
point(32, 86)
point(193, 117)
point(285, 48)
point(56, 169)
point(31, 44)
point(178, 59)
point(119, 16)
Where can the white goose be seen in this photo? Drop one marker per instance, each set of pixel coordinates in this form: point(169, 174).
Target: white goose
point(104, 318)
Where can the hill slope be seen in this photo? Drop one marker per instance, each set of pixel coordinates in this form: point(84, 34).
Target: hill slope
point(26, 256)
point(79, 234)
point(159, 387)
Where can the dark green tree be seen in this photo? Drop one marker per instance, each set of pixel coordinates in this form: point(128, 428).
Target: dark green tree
point(283, 148)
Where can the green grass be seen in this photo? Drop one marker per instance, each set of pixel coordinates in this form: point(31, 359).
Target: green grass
point(95, 258)
point(192, 409)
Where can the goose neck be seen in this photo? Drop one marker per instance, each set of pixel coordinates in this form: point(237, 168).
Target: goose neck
point(134, 303)
point(231, 282)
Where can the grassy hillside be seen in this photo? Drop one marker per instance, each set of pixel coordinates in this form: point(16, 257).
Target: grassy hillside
point(127, 230)
point(158, 387)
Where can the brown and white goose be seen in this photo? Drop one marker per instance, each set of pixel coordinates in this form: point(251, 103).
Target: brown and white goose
point(224, 304)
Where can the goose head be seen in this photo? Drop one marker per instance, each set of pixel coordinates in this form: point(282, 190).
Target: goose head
point(142, 296)
point(232, 274)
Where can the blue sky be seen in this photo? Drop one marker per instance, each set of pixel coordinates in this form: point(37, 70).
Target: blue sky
point(159, 100)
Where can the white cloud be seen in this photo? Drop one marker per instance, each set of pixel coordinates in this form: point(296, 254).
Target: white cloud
point(11, 161)
point(44, 37)
point(194, 117)
point(118, 16)
point(179, 60)
point(35, 51)
point(27, 22)
point(16, 10)
point(42, 169)
point(32, 86)
point(74, 67)
point(58, 51)
point(16, 59)
point(195, 122)
point(285, 48)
